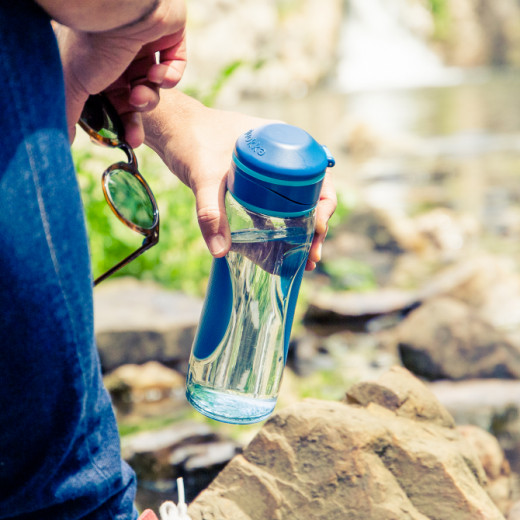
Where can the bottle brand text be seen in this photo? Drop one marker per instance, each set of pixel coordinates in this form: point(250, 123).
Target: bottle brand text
point(253, 143)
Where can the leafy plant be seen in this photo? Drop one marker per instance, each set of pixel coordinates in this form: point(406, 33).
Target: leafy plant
point(441, 18)
point(209, 95)
point(180, 260)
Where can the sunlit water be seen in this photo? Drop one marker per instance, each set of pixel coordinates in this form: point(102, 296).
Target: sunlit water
point(456, 146)
point(378, 50)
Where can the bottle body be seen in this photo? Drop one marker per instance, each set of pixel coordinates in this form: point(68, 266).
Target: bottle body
point(240, 348)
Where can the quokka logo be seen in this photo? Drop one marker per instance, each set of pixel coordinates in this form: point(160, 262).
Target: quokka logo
point(253, 143)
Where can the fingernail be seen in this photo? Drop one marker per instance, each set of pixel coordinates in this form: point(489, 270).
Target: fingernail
point(139, 106)
point(217, 244)
point(156, 74)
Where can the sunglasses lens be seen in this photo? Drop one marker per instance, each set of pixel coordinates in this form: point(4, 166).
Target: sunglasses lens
point(131, 199)
point(101, 118)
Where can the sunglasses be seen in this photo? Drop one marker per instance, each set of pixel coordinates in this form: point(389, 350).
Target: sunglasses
point(125, 190)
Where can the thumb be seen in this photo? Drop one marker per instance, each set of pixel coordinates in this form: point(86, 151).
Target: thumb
point(211, 215)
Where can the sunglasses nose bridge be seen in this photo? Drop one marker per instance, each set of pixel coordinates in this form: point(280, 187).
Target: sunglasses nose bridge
point(129, 152)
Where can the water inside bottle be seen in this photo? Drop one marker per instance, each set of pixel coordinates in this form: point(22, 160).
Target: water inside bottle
point(239, 381)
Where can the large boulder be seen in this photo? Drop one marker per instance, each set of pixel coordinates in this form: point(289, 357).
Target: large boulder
point(389, 452)
point(447, 339)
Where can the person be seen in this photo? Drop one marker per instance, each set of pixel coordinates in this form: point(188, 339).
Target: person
point(59, 446)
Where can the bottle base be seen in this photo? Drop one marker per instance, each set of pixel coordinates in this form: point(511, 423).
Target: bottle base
point(227, 407)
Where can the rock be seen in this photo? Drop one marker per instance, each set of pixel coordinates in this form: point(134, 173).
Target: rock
point(187, 448)
point(514, 512)
point(333, 460)
point(136, 322)
point(446, 339)
point(165, 439)
point(494, 289)
point(353, 310)
point(285, 48)
point(466, 279)
point(405, 395)
point(491, 404)
point(481, 33)
point(148, 383)
point(389, 231)
point(447, 232)
point(499, 485)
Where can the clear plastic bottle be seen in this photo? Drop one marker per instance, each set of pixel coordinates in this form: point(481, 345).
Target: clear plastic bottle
point(240, 348)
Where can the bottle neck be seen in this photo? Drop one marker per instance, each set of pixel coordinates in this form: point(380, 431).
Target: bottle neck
point(241, 217)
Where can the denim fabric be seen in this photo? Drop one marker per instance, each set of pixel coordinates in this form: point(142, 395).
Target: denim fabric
point(59, 446)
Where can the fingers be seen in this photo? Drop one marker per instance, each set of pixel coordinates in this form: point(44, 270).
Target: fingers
point(143, 97)
point(325, 209)
point(163, 61)
point(134, 130)
point(172, 61)
point(137, 90)
point(211, 215)
point(129, 114)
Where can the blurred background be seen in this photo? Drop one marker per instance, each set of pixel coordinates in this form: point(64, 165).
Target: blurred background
point(418, 102)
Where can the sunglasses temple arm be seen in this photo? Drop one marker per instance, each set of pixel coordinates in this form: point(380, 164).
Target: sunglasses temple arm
point(147, 244)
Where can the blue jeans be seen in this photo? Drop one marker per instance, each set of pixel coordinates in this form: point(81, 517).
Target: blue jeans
point(59, 446)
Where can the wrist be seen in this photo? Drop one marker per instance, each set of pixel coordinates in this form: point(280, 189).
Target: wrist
point(169, 127)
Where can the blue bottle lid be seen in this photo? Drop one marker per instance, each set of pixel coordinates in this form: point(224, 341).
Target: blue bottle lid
point(278, 170)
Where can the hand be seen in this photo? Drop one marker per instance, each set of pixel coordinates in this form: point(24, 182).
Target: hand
point(122, 61)
point(197, 143)
point(325, 209)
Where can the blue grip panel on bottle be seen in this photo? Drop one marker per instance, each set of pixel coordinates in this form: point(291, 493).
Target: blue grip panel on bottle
point(216, 312)
point(291, 306)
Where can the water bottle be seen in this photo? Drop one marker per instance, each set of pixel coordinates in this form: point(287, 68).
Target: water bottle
point(241, 344)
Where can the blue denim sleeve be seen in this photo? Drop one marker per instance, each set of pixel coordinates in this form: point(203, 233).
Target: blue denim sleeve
point(59, 446)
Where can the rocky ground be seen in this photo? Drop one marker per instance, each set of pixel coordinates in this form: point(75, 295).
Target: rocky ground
point(449, 316)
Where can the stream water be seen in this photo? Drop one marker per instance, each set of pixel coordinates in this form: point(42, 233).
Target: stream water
point(407, 149)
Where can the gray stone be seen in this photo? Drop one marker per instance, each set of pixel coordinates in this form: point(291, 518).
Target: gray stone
point(149, 453)
point(446, 339)
point(491, 404)
point(189, 449)
point(136, 322)
point(134, 388)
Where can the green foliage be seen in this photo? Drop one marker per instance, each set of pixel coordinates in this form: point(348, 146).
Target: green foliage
point(180, 260)
point(209, 95)
point(328, 385)
point(343, 210)
point(349, 274)
point(287, 7)
point(441, 16)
